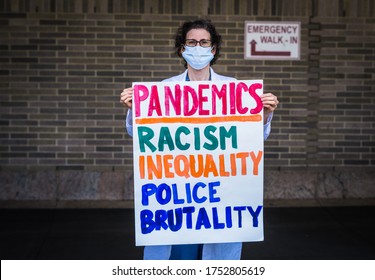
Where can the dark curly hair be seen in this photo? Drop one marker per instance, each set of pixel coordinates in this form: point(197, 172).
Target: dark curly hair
point(180, 36)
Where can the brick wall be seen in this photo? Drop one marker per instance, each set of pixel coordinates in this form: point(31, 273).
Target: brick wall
point(63, 65)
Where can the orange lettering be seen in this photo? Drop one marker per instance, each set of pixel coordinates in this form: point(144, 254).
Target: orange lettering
point(210, 166)
point(256, 161)
point(154, 169)
point(184, 171)
point(223, 172)
point(167, 166)
point(243, 157)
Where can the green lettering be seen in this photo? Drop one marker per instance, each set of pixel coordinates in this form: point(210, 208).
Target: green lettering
point(231, 133)
point(165, 138)
point(145, 134)
point(208, 132)
point(179, 131)
point(197, 138)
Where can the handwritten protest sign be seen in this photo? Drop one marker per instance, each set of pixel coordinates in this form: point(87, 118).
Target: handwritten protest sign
point(198, 162)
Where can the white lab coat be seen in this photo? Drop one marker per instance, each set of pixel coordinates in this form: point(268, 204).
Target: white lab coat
point(213, 251)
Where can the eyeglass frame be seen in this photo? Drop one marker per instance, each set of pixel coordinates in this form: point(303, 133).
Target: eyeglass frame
point(198, 42)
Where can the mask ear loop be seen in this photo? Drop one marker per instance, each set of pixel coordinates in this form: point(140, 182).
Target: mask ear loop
point(182, 49)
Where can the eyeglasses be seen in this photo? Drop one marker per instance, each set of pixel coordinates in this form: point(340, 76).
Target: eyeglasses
point(203, 43)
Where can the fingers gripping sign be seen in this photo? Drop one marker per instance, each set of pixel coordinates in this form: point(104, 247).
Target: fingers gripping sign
point(126, 97)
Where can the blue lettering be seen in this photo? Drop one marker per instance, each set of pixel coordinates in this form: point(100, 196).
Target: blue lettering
point(228, 216)
point(163, 188)
point(175, 219)
point(195, 193)
point(202, 219)
point(188, 193)
point(176, 200)
point(239, 209)
point(189, 210)
point(213, 191)
point(215, 218)
point(160, 219)
point(147, 223)
point(175, 226)
point(255, 214)
point(147, 190)
point(164, 193)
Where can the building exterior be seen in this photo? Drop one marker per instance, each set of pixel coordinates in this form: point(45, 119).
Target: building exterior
point(63, 65)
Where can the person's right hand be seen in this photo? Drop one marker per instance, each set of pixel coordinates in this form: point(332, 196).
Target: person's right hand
point(126, 97)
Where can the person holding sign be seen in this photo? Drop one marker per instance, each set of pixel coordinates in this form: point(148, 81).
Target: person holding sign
point(198, 44)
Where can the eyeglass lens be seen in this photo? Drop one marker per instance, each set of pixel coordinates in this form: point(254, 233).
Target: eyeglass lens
point(203, 43)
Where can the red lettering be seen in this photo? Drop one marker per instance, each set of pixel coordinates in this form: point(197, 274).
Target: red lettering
point(154, 102)
point(175, 100)
point(202, 99)
point(222, 94)
point(190, 94)
point(140, 94)
point(205, 99)
point(256, 97)
point(241, 87)
point(232, 98)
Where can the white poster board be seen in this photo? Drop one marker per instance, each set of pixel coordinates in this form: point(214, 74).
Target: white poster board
point(272, 40)
point(198, 162)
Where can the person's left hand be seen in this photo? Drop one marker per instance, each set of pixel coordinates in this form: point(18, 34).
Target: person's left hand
point(270, 102)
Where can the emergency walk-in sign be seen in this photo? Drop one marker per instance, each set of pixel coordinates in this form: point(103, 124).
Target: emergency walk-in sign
point(272, 40)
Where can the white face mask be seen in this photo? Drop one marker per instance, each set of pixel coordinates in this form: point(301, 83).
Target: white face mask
point(198, 57)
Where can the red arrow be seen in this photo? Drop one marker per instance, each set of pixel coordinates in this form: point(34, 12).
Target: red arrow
point(254, 52)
